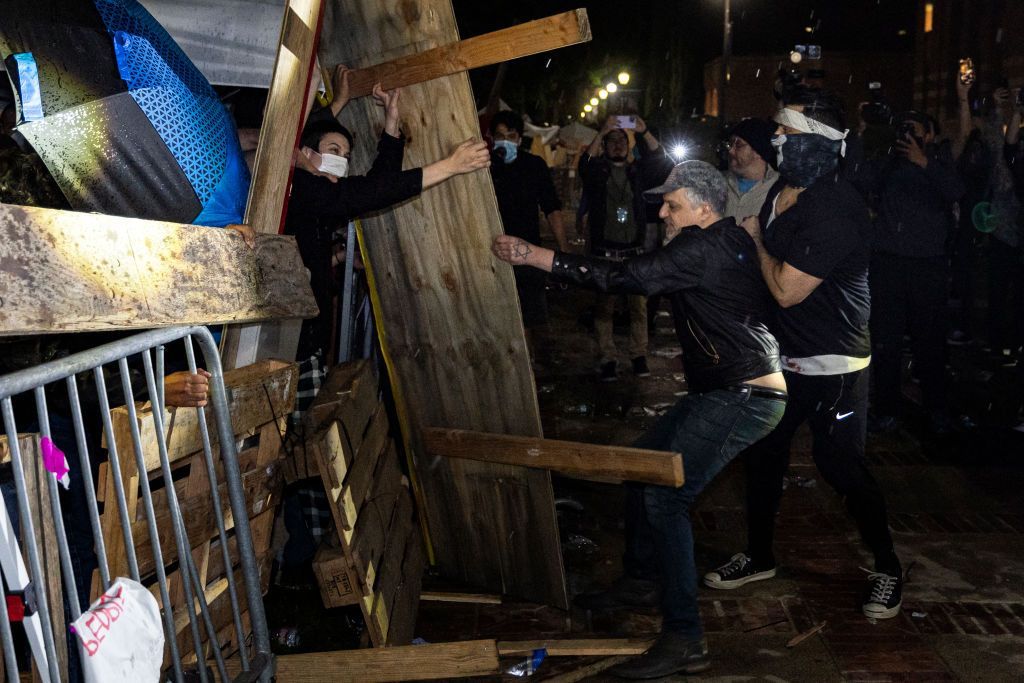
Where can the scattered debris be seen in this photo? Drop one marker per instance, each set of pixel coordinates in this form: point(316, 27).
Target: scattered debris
point(582, 543)
point(545, 388)
point(670, 352)
point(528, 666)
point(919, 615)
point(796, 640)
point(579, 409)
point(799, 482)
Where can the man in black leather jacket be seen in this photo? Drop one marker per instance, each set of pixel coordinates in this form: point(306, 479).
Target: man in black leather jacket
point(709, 270)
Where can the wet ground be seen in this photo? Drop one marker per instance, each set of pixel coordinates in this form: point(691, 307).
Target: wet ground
point(956, 507)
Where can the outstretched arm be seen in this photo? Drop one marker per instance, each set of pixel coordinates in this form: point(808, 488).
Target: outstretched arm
point(471, 155)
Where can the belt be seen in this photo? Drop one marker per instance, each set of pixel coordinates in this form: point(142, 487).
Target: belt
point(760, 392)
point(618, 253)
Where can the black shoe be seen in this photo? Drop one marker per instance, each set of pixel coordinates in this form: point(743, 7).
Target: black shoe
point(625, 592)
point(671, 653)
point(884, 596)
point(736, 572)
point(608, 373)
point(640, 368)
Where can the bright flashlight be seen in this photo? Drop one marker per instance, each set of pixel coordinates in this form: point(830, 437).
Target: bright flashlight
point(679, 152)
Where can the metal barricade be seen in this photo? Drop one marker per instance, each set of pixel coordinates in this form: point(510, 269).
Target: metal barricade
point(40, 630)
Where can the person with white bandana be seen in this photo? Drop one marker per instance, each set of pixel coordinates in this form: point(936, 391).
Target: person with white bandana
point(813, 244)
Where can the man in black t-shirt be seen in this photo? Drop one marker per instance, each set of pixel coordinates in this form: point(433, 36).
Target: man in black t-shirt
point(522, 184)
point(814, 251)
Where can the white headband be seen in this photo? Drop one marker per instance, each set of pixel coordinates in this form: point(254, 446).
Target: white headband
point(796, 120)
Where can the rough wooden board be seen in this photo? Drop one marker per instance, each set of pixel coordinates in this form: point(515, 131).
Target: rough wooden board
point(580, 647)
point(472, 598)
point(46, 543)
point(356, 486)
point(435, 661)
point(541, 35)
point(62, 271)
point(257, 394)
point(283, 119)
point(583, 460)
point(449, 316)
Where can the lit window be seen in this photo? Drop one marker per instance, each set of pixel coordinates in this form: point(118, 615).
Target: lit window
point(929, 11)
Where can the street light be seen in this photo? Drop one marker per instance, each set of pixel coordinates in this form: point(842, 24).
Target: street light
point(594, 101)
point(611, 87)
point(603, 94)
point(588, 108)
point(623, 78)
point(583, 114)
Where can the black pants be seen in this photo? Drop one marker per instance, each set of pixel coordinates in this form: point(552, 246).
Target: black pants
point(909, 295)
point(836, 406)
point(1005, 296)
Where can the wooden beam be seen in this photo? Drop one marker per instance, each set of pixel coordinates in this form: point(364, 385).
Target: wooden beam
point(63, 271)
point(447, 313)
point(581, 460)
point(583, 647)
point(542, 35)
point(473, 598)
point(283, 119)
point(380, 665)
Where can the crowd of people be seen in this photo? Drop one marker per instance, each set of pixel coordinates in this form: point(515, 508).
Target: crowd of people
point(794, 275)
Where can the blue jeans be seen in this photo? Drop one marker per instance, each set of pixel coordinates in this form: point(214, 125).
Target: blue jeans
point(709, 429)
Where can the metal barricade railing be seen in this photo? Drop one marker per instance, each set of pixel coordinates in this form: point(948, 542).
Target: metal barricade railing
point(40, 631)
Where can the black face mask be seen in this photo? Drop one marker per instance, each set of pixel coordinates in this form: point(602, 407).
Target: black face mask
point(806, 157)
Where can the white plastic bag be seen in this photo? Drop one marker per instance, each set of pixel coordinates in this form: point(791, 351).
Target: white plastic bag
point(121, 635)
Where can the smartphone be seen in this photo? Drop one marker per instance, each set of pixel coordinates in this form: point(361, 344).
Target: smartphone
point(966, 71)
point(627, 122)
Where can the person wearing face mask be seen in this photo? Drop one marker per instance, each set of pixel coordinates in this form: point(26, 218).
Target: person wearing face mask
point(913, 190)
point(708, 269)
point(750, 175)
point(813, 246)
point(613, 188)
point(325, 196)
point(522, 185)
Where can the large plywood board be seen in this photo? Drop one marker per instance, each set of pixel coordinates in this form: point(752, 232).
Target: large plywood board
point(448, 311)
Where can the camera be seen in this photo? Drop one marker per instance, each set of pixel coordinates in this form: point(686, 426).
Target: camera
point(877, 111)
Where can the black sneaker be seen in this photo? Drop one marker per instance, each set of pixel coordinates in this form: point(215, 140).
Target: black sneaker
point(736, 572)
point(884, 596)
point(624, 592)
point(640, 368)
point(608, 373)
point(671, 653)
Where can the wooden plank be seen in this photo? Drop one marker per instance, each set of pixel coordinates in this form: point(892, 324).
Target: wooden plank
point(406, 663)
point(541, 35)
point(64, 271)
point(356, 486)
point(369, 537)
point(447, 313)
point(578, 647)
point(385, 576)
point(472, 598)
point(344, 384)
point(283, 119)
point(336, 577)
point(406, 599)
point(582, 460)
point(46, 543)
point(257, 394)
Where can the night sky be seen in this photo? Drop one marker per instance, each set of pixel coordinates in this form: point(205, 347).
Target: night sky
point(646, 36)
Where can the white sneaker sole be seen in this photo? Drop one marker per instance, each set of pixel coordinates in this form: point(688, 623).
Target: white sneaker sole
point(875, 611)
point(712, 581)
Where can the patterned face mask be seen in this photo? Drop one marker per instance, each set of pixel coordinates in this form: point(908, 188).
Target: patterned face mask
point(804, 158)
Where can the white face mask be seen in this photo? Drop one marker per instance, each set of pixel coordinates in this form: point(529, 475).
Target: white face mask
point(334, 164)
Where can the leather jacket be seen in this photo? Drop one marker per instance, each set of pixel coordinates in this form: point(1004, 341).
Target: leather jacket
point(719, 300)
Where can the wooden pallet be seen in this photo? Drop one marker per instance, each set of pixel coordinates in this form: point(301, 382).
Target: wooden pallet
point(260, 397)
point(370, 501)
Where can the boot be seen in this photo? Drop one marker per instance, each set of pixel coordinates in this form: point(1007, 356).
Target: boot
point(671, 653)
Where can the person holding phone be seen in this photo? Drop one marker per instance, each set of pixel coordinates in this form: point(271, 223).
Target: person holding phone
point(613, 187)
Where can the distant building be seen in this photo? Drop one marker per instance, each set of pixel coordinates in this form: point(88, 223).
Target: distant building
point(990, 32)
point(749, 91)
